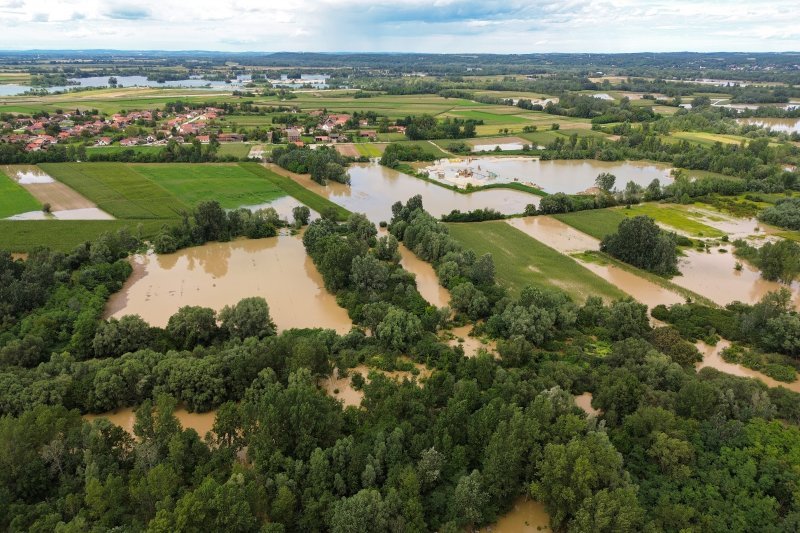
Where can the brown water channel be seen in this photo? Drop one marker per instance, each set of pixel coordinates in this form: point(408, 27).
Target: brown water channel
point(374, 188)
point(427, 281)
point(712, 357)
point(125, 418)
point(219, 274)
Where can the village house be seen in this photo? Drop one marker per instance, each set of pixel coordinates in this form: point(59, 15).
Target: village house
point(292, 135)
point(129, 141)
point(103, 141)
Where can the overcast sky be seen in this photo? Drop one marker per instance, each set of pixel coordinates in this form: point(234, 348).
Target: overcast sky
point(506, 26)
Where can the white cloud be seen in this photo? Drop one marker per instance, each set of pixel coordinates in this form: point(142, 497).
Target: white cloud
point(405, 25)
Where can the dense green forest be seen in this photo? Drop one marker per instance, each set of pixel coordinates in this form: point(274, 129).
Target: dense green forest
point(672, 450)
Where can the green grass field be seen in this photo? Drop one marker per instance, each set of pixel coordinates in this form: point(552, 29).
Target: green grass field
point(229, 184)
point(674, 216)
point(65, 235)
point(118, 189)
point(596, 222)
point(521, 260)
point(235, 149)
point(14, 199)
point(294, 189)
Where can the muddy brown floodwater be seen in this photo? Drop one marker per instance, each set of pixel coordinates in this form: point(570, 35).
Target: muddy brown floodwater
point(374, 188)
point(527, 516)
point(712, 357)
point(584, 401)
point(471, 345)
point(785, 125)
point(427, 281)
point(568, 240)
point(222, 273)
point(125, 418)
point(713, 275)
point(341, 388)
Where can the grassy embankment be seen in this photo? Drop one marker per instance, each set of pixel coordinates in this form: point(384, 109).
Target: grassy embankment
point(521, 260)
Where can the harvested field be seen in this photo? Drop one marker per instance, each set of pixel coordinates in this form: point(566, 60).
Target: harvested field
point(347, 150)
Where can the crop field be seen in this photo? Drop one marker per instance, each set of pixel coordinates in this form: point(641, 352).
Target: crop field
point(370, 150)
point(675, 217)
point(65, 235)
point(14, 199)
point(229, 184)
point(118, 189)
point(521, 260)
point(595, 222)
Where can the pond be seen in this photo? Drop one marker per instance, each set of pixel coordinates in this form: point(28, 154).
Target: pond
point(125, 417)
point(374, 188)
point(222, 273)
point(784, 125)
point(567, 176)
point(713, 275)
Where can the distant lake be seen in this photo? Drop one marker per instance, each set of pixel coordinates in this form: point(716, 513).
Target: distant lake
point(318, 81)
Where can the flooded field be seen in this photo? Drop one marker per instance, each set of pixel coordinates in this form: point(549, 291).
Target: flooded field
point(568, 240)
point(427, 281)
point(713, 275)
point(374, 188)
point(219, 274)
point(712, 357)
point(125, 418)
point(283, 206)
point(570, 177)
point(555, 234)
point(65, 203)
point(584, 401)
point(527, 516)
point(785, 125)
